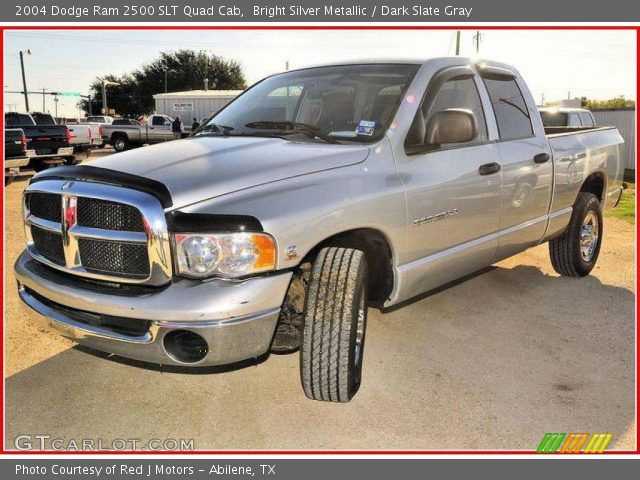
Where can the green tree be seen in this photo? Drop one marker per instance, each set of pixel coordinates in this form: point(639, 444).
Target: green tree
point(594, 104)
point(185, 70)
point(616, 102)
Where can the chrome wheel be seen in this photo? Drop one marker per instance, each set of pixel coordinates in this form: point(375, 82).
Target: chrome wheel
point(589, 235)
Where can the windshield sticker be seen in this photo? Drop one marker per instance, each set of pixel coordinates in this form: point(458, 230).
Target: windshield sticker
point(343, 133)
point(366, 127)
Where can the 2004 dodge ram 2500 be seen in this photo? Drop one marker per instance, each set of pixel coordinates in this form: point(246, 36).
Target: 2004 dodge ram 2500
point(316, 193)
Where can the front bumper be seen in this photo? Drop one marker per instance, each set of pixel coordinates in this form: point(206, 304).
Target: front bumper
point(237, 319)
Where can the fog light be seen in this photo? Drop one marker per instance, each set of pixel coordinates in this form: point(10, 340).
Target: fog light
point(185, 346)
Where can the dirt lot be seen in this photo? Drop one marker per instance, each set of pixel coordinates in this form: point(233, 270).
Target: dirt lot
point(493, 362)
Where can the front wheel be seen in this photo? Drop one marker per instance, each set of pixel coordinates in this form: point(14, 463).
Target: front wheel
point(575, 252)
point(335, 320)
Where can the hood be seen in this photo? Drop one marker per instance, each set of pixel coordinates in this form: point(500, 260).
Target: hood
point(198, 169)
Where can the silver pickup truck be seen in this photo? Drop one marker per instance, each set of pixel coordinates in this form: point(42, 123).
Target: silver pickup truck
point(123, 137)
point(313, 195)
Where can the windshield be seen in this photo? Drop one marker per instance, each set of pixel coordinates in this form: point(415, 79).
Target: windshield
point(351, 102)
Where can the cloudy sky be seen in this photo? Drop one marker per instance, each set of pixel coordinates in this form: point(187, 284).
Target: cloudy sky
point(592, 63)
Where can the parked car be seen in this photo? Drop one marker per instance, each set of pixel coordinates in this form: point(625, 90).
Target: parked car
point(84, 137)
point(122, 137)
point(566, 117)
point(101, 119)
point(48, 145)
point(15, 153)
point(314, 194)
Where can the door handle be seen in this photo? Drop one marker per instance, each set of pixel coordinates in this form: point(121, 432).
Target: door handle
point(541, 158)
point(489, 168)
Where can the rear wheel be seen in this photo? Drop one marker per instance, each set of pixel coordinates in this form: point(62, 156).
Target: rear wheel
point(335, 320)
point(120, 143)
point(576, 251)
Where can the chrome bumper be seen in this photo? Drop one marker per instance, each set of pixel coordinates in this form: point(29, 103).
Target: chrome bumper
point(61, 152)
point(236, 319)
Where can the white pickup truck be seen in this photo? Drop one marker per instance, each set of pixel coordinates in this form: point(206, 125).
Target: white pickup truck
point(313, 195)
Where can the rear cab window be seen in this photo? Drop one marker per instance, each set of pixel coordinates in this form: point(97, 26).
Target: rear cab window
point(554, 119)
point(16, 120)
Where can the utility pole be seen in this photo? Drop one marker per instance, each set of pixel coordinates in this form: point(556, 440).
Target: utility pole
point(458, 42)
point(44, 93)
point(166, 79)
point(24, 79)
point(476, 40)
point(542, 100)
point(286, 65)
point(55, 100)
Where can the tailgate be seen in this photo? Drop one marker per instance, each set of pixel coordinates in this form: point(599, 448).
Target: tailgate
point(46, 139)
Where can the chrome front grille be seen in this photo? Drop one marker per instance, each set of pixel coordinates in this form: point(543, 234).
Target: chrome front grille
point(109, 215)
point(48, 244)
point(118, 258)
point(45, 206)
point(98, 231)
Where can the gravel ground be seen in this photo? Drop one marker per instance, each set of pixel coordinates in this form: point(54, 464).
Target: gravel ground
point(492, 362)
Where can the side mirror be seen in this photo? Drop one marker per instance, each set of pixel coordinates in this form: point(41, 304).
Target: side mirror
point(454, 125)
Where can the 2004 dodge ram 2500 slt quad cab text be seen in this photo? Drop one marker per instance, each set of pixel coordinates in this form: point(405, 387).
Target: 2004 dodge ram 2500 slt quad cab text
point(314, 194)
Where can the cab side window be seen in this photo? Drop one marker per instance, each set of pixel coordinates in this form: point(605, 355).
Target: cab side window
point(587, 120)
point(574, 120)
point(158, 121)
point(512, 114)
point(455, 94)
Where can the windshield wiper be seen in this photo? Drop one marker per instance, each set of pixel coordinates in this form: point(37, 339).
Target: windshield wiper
point(292, 128)
point(213, 127)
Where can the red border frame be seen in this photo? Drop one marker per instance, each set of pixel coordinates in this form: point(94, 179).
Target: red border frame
point(318, 27)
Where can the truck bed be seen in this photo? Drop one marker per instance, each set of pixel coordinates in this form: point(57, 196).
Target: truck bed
point(555, 131)
point(586, 149)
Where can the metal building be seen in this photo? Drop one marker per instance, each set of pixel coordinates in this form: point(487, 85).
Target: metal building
point(624, 119)
point(194, 103)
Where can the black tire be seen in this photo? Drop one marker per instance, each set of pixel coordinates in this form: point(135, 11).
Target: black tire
point(335, 320)
point(120, 143)
point(569, 256)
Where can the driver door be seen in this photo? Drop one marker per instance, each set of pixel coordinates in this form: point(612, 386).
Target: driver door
point(160, 129)
point(453, 190)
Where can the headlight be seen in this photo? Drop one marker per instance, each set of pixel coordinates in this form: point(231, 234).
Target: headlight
point(201, 255)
